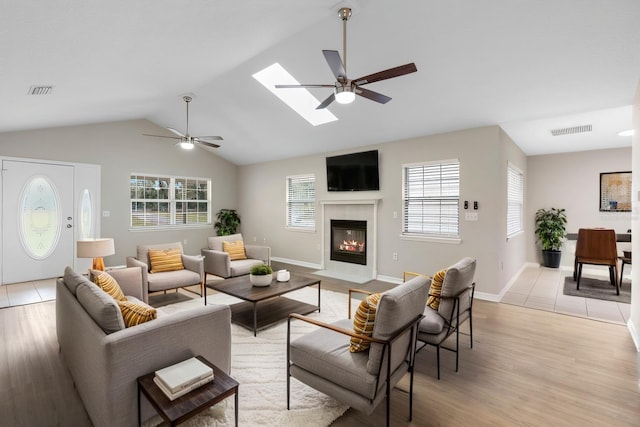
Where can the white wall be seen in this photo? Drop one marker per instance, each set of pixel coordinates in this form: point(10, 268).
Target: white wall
point(120, 149)
point(572, 181)
point(634, 322)
point(483, 154)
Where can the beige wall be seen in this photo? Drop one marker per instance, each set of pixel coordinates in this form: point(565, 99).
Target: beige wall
point(572, 181)
point(483, 154)
point(634, 322)
point(120, 149)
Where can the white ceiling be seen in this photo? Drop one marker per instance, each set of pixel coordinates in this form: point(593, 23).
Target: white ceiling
point(527, 65)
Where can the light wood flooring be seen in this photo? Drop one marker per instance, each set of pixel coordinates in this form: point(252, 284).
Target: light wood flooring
point(527, 368)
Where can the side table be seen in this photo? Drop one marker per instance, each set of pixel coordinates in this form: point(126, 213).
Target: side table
point(192, 403)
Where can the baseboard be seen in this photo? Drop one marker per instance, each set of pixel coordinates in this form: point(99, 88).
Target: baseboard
point(389, 279)
point(296, 262)
point(634, 334)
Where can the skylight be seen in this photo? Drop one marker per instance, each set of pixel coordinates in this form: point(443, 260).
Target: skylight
point(300, 100)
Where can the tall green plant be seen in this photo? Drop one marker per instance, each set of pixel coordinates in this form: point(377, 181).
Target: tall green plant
point(551, 228)
point(227, 222)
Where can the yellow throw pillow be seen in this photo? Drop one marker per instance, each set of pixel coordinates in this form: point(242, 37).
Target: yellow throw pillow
point(108, 284)
point(165, 260)
point(135, 313)
point(235, 250)
point(436, 289)
point(363, 322)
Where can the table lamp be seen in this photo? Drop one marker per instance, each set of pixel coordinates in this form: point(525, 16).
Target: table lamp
point(96, 249)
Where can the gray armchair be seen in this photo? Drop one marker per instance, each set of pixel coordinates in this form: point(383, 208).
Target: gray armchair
point(456, 302)
point(218, 262)
point(322, 360)
point(192, 274)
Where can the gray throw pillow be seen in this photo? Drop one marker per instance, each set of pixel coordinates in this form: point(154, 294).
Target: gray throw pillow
point(102, 308)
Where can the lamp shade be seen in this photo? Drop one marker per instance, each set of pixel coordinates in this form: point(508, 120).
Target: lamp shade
point(95, 248)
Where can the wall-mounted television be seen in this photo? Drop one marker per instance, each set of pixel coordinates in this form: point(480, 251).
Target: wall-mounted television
point(353, 172)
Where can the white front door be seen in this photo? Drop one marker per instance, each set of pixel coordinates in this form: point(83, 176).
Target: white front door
point(37, 220)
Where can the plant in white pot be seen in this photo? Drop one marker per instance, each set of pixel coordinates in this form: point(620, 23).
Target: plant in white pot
point(551, 231)
point(261, 275)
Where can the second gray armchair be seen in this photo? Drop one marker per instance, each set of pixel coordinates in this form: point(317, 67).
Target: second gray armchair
point(222, 264)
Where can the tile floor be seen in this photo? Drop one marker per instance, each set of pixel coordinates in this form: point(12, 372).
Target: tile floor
point(541, 288)
point(536, 287)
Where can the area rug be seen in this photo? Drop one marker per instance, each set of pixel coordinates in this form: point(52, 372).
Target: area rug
point(598, 289)
point(259, 365)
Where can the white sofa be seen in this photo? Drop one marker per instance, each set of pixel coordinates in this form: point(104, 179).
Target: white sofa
point(105, 366)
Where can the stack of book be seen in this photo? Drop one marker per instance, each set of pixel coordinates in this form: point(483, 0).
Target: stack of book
point(179, 379)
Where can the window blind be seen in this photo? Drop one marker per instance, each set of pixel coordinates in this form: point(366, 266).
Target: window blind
point(515, 199)
point(301, 201)
point(431, 197)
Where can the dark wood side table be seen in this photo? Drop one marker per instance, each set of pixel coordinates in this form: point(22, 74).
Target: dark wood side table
point(192, 403)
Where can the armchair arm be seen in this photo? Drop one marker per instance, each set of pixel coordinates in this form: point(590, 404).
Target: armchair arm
point(216, 262)
point(258, 252)
point(130, 281)
point(134, 262)
point(332, 327)
point(194, 263)
point(353, 291)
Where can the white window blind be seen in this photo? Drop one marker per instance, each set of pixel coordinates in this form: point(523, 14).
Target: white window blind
point(431, 196)
point(167, 201)
point(301, 201)
point(515, 199)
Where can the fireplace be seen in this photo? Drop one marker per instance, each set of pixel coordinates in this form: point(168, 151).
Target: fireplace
point(349, 241)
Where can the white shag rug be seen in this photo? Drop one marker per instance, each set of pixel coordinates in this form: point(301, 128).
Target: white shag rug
point(259, 365)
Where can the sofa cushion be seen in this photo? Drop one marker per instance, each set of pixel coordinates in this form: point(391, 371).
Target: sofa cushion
point(72, 279)
point(363, 322)
point(102, 308)
point(108, 284)
point(235, 250)
point(135, 313)
point(165, 260)
point(436, 289)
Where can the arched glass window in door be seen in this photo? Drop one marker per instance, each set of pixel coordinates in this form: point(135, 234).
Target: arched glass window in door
point(40, 221)
point(85, 213)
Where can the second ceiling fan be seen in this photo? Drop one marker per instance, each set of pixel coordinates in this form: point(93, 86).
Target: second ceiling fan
point(344, 89)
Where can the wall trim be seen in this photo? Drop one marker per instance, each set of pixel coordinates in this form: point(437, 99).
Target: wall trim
point(634, 334)
point(296, 262)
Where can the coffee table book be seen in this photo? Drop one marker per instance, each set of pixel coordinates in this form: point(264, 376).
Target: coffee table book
point(182, 392)
point(183, 375)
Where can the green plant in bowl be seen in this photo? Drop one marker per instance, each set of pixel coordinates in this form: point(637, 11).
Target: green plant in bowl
point(261, 270)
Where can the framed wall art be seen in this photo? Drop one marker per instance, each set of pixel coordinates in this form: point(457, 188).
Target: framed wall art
point(615, 192)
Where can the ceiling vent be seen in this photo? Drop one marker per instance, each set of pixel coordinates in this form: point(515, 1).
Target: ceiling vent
point(40, 90)
point(571, 130)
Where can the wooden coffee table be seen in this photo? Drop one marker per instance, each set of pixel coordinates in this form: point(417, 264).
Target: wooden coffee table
point(263, 306)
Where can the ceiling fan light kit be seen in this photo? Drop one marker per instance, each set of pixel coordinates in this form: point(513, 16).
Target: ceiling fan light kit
point(344, 89)
point(186, 141)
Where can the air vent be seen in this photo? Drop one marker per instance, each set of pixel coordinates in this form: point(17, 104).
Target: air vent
point(571, 130)
point(40, 90)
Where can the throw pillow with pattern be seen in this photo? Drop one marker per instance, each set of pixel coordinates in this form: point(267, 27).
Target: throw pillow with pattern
point(165, 260)
point(235, 250)
point(108, 284)
point(135, 313)
point(436, 289)
point(363, 322)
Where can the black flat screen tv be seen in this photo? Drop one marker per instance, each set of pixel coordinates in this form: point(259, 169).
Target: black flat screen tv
point(353, 172)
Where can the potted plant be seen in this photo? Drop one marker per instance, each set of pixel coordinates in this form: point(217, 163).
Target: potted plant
point(227, 222)
point(260, 275)
point(551, 231)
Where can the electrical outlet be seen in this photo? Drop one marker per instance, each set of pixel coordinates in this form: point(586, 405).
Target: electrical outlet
point(395, 256)
point(184, 242)
point(395, 215)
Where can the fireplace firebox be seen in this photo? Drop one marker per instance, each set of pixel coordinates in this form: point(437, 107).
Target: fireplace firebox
point(349, 241)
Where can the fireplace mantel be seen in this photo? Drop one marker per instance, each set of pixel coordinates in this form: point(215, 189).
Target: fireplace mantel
point(373, 246)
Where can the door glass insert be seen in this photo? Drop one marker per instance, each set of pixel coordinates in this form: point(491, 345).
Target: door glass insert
point(40, 221)
point(86, 215)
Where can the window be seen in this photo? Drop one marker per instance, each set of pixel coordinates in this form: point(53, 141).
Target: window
point(166, 201)
point(515, 198)
point(431, 195)
point(301, 201)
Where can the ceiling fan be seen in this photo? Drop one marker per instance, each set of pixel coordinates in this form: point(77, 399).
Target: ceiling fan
point(185, 140)
point(344, 89)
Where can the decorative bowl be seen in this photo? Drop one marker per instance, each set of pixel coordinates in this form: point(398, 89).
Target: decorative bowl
point(262, 280)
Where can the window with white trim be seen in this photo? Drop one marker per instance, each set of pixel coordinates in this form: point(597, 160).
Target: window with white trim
point(431, 196)
point(515, 199)
point(169, 201)
point(301, 202)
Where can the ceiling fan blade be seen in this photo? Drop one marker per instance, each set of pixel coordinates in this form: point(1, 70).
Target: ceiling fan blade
point(387, 74)
point(208, 144)
point(213, 138)
point(335, 63)
point(326, 102)
point(160, 136)
point(299, 86)
point(181, 135)
point(374, 96)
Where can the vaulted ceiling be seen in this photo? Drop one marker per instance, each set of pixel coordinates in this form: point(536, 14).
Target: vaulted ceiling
point(527, 65)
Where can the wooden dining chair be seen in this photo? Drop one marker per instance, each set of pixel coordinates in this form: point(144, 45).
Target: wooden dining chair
point(597, 246)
